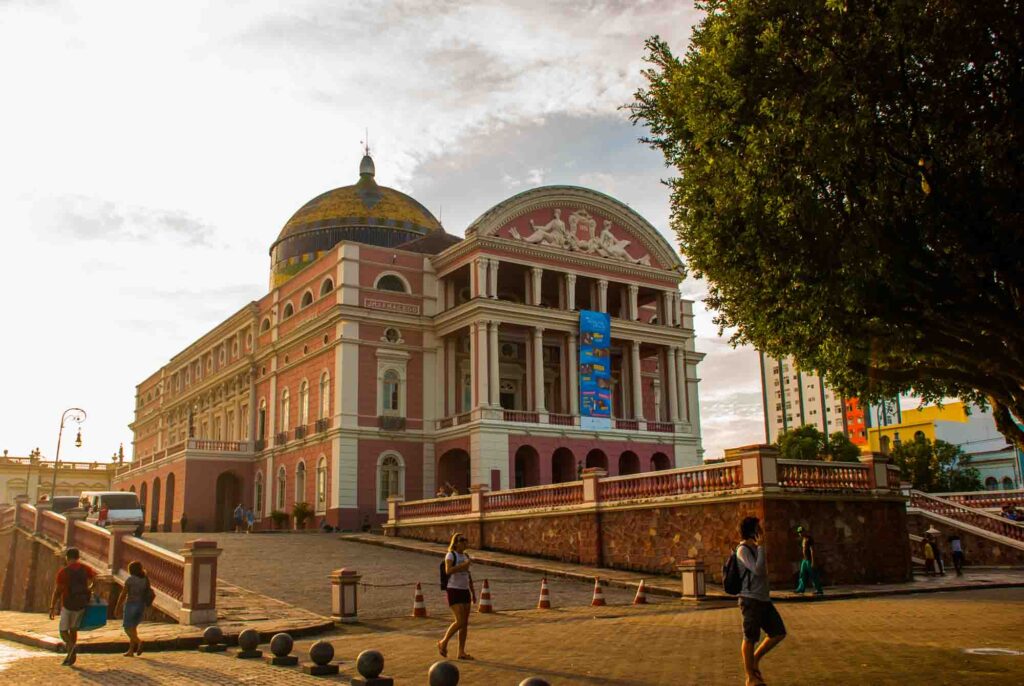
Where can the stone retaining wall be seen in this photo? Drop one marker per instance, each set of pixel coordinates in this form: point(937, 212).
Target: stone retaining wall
point(977, 549)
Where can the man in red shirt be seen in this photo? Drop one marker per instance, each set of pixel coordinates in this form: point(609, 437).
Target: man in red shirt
point(73, 588)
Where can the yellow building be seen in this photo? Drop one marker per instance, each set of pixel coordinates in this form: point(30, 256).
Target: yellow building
point(33, 476)
point(925, 420)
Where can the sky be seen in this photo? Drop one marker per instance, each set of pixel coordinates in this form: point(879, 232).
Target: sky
point(151, 152)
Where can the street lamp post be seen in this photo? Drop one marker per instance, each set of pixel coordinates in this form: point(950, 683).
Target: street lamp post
point(74, 414)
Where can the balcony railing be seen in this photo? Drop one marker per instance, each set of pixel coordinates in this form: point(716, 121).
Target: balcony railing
point(300, 432)
point(627, 424)
point(260, 444)
point(662, 427)
point(435, 507)
point(686, 481)
point(829, 476)
point(537, 496)
point(323, 424)
point(390, 423)
point(562, 419)
point(518, 416)
point(445, 422)
point(208, 445)
point(281, 438)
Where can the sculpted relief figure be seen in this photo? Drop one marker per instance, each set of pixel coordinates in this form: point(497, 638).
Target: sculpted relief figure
point(605, 244)
point(553, 233)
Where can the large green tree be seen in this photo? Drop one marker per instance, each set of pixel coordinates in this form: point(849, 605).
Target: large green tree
point(850, 186)
point(936, 466)
point(808, 443)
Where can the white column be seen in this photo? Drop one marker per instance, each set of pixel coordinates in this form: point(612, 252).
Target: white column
point(671, 369)
point(538, 369)
point(573, 369)
point(481, 277)
point(570, 291)
point(633, 309)
point(480, 374)
point(638, 398)
point(684, 411)
point(450, 377)
point(492, 335)
point(536, 273)
point(602, 296)
point(668, 304)
point(493, 283)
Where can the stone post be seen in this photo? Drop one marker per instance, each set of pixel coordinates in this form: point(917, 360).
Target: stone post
point(40, 509)
point(115, 556)
point(476, 497)
point(759, 464)
point(345, 595)
point(493, 283)
point(393, 501)
point(75, 515)
point(475, 528)
point(590, 478)
point(878, 472)
point(570, 292)
point(199, 594)
point(692, 577)
point(19, 500)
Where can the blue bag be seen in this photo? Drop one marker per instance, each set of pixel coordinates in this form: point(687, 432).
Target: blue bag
point(94, 616)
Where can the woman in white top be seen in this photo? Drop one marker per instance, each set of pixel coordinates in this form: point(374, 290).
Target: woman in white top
point(460, 592)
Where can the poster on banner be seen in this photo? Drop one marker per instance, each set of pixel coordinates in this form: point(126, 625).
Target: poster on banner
point(595, 370)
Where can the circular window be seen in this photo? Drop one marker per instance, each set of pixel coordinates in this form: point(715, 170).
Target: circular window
point(508, 351)
point(326, 338)
point(392, 335)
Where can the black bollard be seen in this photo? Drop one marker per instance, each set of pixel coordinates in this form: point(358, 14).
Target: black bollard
point(443, 674)
point(248, 641)
point(321, 653)
point(214, 640)
point(281, 645)
point(370, 664)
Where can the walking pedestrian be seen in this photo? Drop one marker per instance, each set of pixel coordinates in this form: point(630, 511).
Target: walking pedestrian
point(808, 568)
point(957, 550)
point(759, 614)
point(933, 538)
point(135, 597)
point(929, 556)
point(72, 589)
point(250, 520)
point(239, 515)
point(460, 591)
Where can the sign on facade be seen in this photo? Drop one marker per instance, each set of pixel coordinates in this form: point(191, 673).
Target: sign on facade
point(595, 370)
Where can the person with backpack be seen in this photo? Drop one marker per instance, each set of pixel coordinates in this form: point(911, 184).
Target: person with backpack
point(746, 575)
point(136, 596)
point(73, 589)
point(458, 583)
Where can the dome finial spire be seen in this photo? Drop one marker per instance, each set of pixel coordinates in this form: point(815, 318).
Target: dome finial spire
point(366, 166)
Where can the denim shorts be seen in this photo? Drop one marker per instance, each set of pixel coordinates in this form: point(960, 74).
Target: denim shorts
point(133, 614)
point(758, 616)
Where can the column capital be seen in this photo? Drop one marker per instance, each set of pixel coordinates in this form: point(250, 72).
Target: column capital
point(633, 288)
point(570, 276)
point(536, 270)
point(538, 331)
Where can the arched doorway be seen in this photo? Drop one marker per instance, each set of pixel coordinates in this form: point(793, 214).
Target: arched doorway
point(229, 495)
point(597, 458)
point(526, 467)
point(131, 489)
point(154, 509)
point(169, 503)
point(629, 463)
point(660, 461)
point(453, 468)
point(563, 466)
point(143, 502)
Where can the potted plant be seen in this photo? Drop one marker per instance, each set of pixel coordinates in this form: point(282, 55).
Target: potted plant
point(301, 512)
point(280, 519)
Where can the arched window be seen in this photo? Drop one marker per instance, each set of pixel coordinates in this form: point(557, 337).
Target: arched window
point(288, 310)
point(326, 287)
point(390, 479)
point(884, 444)
point(261, 421)
point(1007, 483)
point(265, 324)
point(391, 282)
point(307, 299)
point(300, 482)
point(389, 391)
point(304, 404)
point(919, 435)
point(257, 496)
point(324, 408)
point(284, 410)
point(991, 484)
point(282, 483)
point(321, 485)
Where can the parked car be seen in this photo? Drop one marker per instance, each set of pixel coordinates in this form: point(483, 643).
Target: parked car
point(119, 507)
point(63, 503)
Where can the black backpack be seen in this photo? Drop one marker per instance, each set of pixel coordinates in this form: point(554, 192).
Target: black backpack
point(444, 573)
point(78, 589)
point(732, 578)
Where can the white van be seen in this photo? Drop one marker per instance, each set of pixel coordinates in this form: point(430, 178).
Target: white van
point(122, 508)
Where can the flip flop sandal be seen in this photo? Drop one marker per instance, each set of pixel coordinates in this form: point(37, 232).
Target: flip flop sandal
point(467, 656)
point(443, 651)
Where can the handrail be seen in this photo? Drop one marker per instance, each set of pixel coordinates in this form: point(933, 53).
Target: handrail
point(724, 476)
point(548, 495)
point(53, 526)
point(165, 569)
point(824, 475)
point(975, 517)
point(92, 540)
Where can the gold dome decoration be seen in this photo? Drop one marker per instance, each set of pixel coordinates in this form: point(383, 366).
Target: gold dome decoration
point(362, 213)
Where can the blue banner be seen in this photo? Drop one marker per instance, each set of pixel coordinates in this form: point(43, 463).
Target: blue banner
point(595, 370)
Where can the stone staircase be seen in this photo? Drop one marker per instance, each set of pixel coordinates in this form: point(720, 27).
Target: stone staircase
point(988, 538)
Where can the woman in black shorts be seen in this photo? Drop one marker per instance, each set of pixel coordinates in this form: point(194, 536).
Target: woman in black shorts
point(460, 592)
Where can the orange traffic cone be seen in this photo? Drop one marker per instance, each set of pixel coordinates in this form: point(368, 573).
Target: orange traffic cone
point(641, 594)
point(485, 599)
point(598, 600)
point(419, 608)
point(545, 602)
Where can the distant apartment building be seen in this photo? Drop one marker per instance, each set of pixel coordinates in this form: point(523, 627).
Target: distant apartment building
point(794, 397)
